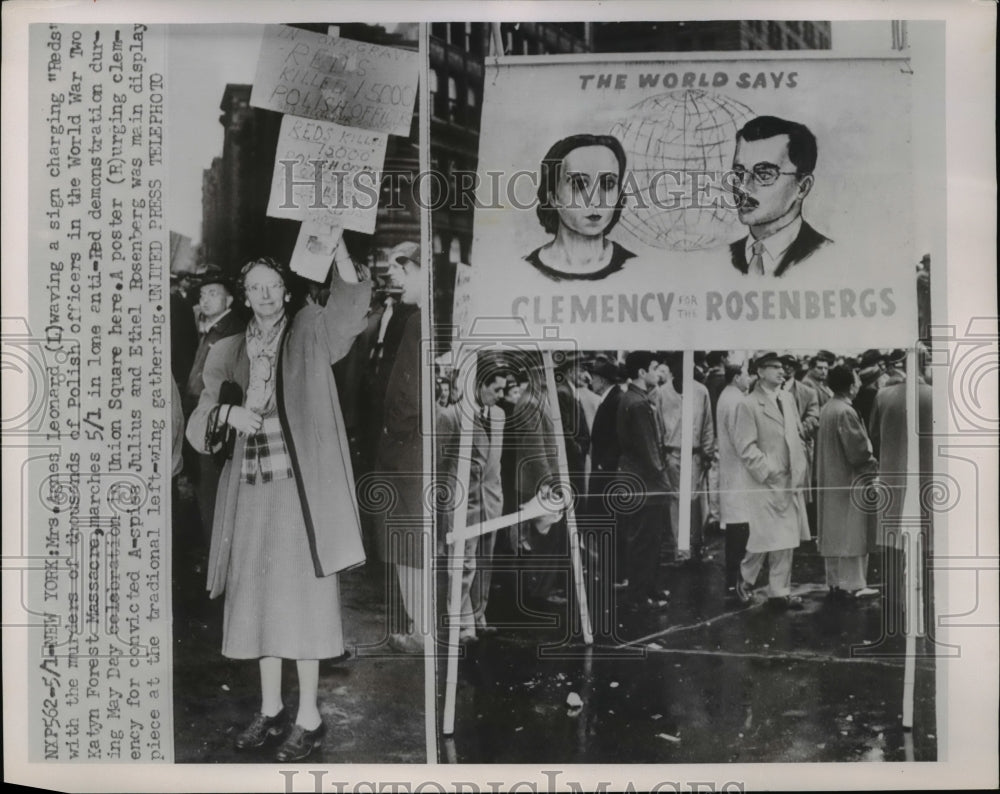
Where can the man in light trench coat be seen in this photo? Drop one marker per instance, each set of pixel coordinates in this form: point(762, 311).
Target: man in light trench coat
point(734, 479)
point(769, 440)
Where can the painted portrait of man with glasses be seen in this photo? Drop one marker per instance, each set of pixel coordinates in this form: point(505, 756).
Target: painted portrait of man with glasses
point(771, 177)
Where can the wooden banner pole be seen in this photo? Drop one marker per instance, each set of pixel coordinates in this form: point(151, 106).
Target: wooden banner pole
point(574, 538)
point(456, 563)
point(911, 547)
point(687, 440)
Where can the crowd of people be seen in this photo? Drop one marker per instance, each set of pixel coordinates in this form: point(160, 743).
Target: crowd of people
point(785, 449)
point(292, 414)
point(296, 418)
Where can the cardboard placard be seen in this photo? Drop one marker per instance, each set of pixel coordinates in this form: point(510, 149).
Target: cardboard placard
point(334, 79)
point(325, 169)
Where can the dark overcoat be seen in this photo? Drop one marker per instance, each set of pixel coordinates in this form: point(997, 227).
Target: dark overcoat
point(845, 523)
point(399, 461)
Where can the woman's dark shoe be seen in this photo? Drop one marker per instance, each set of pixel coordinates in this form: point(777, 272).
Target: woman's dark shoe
point(261, 730)
point(300, 743)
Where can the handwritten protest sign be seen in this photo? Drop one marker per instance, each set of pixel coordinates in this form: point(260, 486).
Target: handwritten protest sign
point(334, 79)
point(326, 169)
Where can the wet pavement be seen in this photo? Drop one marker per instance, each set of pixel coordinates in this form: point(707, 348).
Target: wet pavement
point(372, 702)
point(701, 681)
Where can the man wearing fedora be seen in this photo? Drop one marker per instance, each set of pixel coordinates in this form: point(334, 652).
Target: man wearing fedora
point(217, 321)
point(872, 376)
point(768, 438)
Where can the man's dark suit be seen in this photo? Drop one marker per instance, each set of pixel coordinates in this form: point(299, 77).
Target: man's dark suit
point(364, 378)
point(642, 461)
point(604, 453)
point(604, 446)
point(806, 242)
point(228, 325)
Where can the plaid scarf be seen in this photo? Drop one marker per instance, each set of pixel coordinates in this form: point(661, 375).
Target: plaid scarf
point(265, 458)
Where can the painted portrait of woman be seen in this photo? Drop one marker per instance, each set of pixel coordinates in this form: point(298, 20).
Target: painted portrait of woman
point(580, 200)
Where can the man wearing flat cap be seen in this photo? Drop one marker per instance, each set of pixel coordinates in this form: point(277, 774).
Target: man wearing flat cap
point(768, 438)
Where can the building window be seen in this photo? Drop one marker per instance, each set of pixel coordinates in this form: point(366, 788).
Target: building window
point(454, 111)
point(439, 30)
point(433, 84)
point(475, 34)
point(774, 35)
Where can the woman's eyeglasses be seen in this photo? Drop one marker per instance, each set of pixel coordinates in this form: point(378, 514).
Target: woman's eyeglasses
point(261, 289)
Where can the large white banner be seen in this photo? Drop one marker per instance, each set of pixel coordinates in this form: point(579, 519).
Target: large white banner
point(822, 176)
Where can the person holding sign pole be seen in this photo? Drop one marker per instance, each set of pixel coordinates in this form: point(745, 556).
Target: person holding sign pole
point(580, 199)
point(286, 519)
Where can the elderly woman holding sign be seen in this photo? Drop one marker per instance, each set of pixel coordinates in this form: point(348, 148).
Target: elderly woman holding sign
point(580, 199)
point(286, 518)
